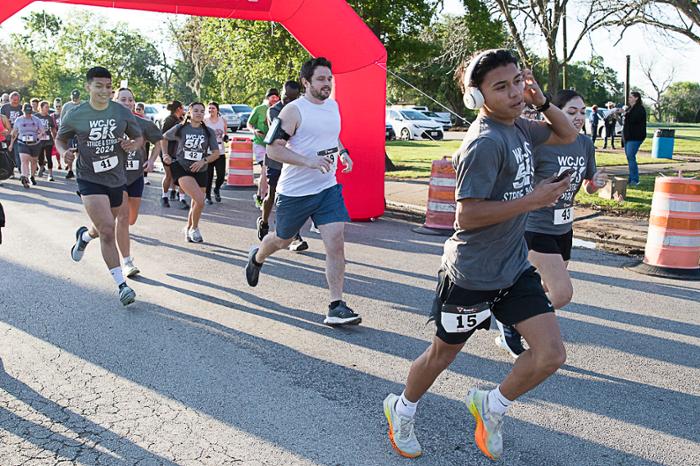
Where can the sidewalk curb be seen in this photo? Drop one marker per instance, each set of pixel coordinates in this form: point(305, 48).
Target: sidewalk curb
point(605, 240)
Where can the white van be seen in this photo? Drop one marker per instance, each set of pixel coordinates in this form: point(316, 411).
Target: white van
point(412, 124)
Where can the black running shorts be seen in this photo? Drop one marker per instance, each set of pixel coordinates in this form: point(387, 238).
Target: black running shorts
point(458, 312)
point(550, 244)
point(116, 195)
point(179, 172)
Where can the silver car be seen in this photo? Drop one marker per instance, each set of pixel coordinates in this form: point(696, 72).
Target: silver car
point(233, 120)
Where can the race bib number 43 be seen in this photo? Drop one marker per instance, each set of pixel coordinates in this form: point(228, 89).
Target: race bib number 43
point(105, 164)
point(563, 216)
point(463, 319)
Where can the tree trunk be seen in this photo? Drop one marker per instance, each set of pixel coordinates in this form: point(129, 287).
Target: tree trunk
point(553, 69)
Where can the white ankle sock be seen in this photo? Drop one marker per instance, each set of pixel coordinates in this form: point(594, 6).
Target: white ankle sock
point(497, 402)
point(165, 194)
point(182, 197)
point(404, 407)
point(128, 259)
point(117, 275)
point(86, 236)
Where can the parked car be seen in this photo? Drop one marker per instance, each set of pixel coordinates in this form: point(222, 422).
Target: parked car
point(243, 111)
point(390, 134)
point(420, 108)
point(411, 124)
point(233, 120)
point(160, 117)
point(152, 110)
point(444, 121)
point(602, 113)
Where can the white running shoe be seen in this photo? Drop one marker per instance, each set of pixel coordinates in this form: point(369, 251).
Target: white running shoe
point(129, 269)
point(401, 430)
point(194, 236)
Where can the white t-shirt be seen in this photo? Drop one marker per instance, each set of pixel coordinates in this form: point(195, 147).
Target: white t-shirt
point(220, 129)
point(316, 136)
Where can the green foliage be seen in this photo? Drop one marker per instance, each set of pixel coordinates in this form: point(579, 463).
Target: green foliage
point(449, 43)
point(61, 52)
point(682, 101)
point(596, 82)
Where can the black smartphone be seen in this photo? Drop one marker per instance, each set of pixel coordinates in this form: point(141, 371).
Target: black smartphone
point(563, 175)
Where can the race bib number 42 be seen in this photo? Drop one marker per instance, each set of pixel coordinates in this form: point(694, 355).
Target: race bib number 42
point(463, 319)
point(193, 155)
point(563, 216)
point(105, 164)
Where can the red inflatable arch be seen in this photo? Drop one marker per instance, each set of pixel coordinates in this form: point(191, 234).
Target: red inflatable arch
point(327, 28)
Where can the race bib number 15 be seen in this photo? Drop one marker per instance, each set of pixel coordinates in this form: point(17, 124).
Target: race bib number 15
point(463, 319)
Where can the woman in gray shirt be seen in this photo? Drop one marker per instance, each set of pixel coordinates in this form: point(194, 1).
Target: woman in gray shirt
point(27, 133)
point(196, 148)
point(548, 231)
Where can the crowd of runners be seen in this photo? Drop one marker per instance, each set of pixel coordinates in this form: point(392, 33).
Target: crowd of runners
point(516, 183)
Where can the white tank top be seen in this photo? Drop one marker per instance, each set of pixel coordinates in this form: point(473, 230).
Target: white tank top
point(317, 135)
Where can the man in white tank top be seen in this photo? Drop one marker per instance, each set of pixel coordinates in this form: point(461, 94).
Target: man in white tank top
point(308, 145)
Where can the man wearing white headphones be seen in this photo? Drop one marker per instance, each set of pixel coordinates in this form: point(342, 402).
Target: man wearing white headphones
point(485, 269)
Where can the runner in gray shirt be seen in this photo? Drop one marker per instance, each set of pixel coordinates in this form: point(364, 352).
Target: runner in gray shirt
point(137, 162)
point(484, 268)
point(549, 233)
point(196, 147)
point(100, 126)
point(26, 135)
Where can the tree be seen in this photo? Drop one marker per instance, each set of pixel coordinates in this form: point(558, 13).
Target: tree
point(659, 84)
point(678, 17)
point(546, 16)
point(61, 52)
point(17, 73)
point(682, 101)
point(451, 41)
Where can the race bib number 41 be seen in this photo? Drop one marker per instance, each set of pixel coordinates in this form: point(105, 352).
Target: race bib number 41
point(463, 319)
point(105, 164)
point(563, 216)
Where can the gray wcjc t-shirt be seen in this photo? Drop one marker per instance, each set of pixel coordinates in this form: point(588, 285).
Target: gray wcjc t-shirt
point(550, 160)
point(100, 158)
point(192, 144)
point(136, 160)
point(494, 163)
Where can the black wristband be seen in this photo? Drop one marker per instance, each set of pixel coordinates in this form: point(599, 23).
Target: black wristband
point(544, 107)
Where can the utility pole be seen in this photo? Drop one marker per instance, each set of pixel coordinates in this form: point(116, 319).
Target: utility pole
point(627, 78)
point(566, 52)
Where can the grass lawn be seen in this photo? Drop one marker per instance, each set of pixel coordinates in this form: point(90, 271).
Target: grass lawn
point(413, 158)
point(687, 137)
point(637, 202)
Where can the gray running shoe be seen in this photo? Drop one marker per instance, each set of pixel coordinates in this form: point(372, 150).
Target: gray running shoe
point(78, 249)
point(341, 315)
point(252, 271)
point(194, 236)
point(401, 430)
point(126, 295)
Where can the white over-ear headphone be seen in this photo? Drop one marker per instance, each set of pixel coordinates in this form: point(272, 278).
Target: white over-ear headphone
point(473, 98)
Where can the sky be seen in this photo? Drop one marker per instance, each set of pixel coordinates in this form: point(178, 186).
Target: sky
point(682, 56)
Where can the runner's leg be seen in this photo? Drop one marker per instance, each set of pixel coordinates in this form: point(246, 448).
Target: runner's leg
point(103, 218)
point(333, 236)
point(545, 355)
point(555, 277)
point(189, 185)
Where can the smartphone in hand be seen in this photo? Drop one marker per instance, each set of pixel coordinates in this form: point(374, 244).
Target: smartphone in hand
point(563, 175)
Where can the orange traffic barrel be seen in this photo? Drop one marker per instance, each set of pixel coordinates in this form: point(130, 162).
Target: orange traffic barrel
point(441, 208)
point(673, 241)
point(240, 164)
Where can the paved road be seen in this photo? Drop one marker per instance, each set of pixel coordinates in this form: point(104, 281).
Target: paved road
point(204, 370)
